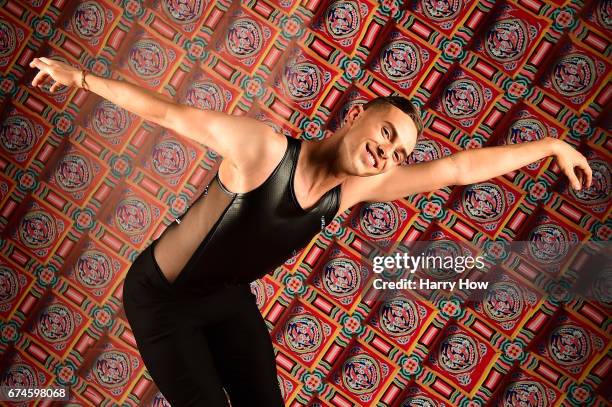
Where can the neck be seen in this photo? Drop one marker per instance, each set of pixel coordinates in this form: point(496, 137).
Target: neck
point(319, 164)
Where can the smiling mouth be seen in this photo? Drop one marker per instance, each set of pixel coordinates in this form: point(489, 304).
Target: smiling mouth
point(371, 158)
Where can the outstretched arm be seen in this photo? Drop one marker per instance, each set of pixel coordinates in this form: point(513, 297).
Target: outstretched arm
point(485, 163)
point(469, 167)
point(224, 133)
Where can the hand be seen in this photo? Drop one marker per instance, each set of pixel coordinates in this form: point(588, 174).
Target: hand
point(52, 70)
point(573, 164)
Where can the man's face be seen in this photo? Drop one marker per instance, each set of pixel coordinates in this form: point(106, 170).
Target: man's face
point(376, 140)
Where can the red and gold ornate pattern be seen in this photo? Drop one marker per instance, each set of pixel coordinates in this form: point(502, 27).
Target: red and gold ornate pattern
point(86, 185)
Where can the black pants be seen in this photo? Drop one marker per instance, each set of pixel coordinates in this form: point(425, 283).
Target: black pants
point(195, 348)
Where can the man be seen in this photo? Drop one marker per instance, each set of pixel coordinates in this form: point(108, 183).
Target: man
point(377, 145)
point(187, 296)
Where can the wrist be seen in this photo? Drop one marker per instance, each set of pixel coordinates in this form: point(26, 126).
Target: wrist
point(552, 145)
point(83, 76)
point(77, 81)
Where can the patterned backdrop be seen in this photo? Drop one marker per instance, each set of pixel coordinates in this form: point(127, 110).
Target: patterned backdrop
point(85, 186)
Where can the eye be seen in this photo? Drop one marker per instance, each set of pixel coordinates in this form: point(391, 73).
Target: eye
point(396, 156)
point(386, 132)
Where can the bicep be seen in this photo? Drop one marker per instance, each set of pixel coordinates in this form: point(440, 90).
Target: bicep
point(239, 139)
point(408, 180)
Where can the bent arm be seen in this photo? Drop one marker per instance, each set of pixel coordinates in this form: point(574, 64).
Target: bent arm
point(226, 134)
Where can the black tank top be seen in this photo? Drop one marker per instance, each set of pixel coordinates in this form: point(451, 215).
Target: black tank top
point(247, 235)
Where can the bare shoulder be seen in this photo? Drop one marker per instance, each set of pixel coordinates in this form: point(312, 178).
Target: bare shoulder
point(265, 148)
point(242, 141)
point(250, 142)
point(261, 153)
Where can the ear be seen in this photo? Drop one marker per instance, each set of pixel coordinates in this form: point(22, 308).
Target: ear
point(353, 113)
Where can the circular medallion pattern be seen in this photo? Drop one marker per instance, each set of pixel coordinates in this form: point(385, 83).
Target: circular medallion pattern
point(133, 216)
point(506, 40)
point(9, 285)
point(8, 38)
point(398, 317)
point(484, 202)
point(88, 20)
point(361, 374)
point(94, 269)
point(17, 134)
point(548, 243)
point(573, 75)
point(504, 302)
point(205, 95)
point(379, 220)
point(441, 10)
point(342, 19)
point(184, 12)
point(109, 120)
point(400, 60)
point(169, 158)
point(463, 98)
point(74, 172)
point(458, 353)
point(302, 80)
point(600, 190)
point(525, 392)
point(569, 345)
point(112, 368)
point(524, 130)
point(244, 38)
point(303, 333)
point(147, 59)
point(20, 375)
point(37, 229)
point(341, 277)
point(56, 323)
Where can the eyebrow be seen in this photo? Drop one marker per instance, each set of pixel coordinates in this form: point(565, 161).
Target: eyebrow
point(396, 136)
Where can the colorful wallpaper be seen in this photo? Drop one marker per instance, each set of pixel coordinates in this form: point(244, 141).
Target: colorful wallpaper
point(85, 186)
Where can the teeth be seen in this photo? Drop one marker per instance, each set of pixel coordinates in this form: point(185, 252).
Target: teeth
point(371, 159)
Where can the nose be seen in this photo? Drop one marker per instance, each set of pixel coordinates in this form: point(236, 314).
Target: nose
point(383, 151)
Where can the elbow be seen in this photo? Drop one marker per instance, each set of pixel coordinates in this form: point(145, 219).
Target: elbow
point(459, 172)
point(176, 117)
point(167, 116)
